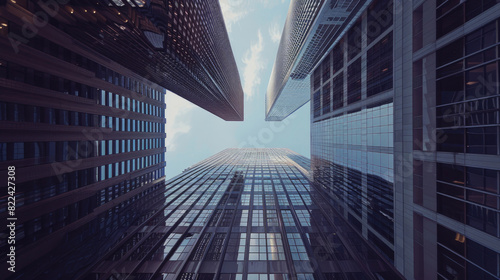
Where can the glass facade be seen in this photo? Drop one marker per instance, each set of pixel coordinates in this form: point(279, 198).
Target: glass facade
point(243, 214)
point(456, 113)
point(310, 30)
point(352, 126)
point(87, 139)
point(189, 37)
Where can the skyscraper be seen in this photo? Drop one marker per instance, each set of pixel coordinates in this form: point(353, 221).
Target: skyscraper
point(311, 27)
point(82, 119)
point(180, 45)
point(242, 214)
point(405, 134)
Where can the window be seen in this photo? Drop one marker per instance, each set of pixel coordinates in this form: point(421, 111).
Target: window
point(297, 247)
point(257, 199)
point(326, 98)
point(379, 18)
point(275, 247)
point(316, 77)
point(244, 218)
point(257, 248)
point(325, 65)
point(354, 40)
point(317, 104)
point(241, 247)
point(338, 91)
point(379, 66)
point(258, 218)
point(304, 217)
point(338, 57)
point(287, 218)
point(272, 218)
point(418, 28)
point(354, 82)
point(202, 218)
point(449, 17)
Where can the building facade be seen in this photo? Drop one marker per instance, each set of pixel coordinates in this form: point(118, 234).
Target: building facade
point(82, 119)
point(311, 27)
point(247, 214)
point(182, 46)
point(405, 121)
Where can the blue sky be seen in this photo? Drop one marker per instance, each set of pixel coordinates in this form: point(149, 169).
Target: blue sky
point(193, 134)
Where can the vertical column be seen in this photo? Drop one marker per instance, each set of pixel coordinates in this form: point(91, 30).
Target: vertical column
point(364, 183)
point(403, 138)
point(346, 60)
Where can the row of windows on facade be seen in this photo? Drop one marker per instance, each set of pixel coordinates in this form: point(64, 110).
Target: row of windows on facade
point(299, 201)
point(44, 188)
point(101, 233)
point(346, 187)
point(264, 176)
point(257, 241)
point(42, 44)
point(355, 224)
point(330, 96)
point(175, 216)
point(479, 140)
point(37, 228)
point(36, 114)
point(16, 72)
point(345, 134)
point(469, 195)
point(40, 189)
point(467, 93)
point(461, 257)
point(379, 18)
point(248, 276)
point(57, 151)
point(467, 78)
point(242, 246)
point(125, 103)
point(463, 85)
point(121, 124)
point(452, 14)
point(467, 111)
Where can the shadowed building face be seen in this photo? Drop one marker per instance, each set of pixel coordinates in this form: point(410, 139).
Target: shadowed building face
point(244, 214)
point(82, 116)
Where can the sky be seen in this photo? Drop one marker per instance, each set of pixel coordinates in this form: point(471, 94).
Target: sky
point(193, 134)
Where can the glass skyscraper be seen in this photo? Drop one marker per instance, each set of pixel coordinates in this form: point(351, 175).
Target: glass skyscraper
point(249, 214)
point(405, 137)
point(311, 27)
point(82, 118)
point(182, 46)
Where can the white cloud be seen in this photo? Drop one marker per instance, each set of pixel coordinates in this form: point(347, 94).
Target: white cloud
point(275, 32)
point(233, 11)
point(254, 64)
point(177, 119)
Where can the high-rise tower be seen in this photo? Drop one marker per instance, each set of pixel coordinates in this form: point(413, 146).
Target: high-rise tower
point(311, 27)
point(405, 134)
point(243, 214)
point(82, 118)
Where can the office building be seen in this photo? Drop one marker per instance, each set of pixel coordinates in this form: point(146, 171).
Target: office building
point(405, 134)
point(247, 214)
point(311, 27)
point(82, 119)
point(182, 46)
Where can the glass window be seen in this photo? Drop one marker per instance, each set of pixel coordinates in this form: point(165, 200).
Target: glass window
point(297, 247)
point(354, 81)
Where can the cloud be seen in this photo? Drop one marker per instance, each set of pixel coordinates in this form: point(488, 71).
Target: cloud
point(233, 11)
point(275, 32)
point(177, 119)
point(254, 64)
